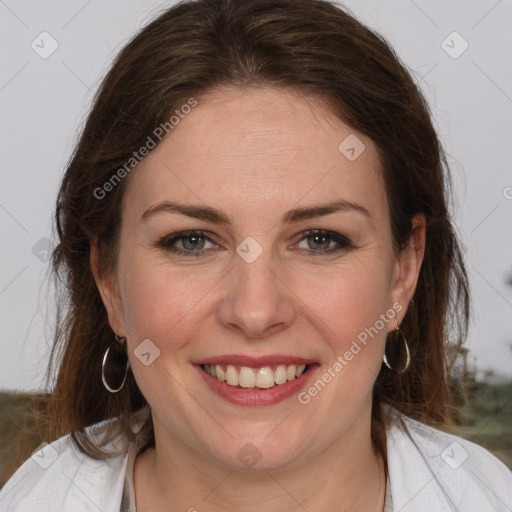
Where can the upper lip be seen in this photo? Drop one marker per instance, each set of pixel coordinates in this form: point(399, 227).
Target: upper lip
point(254, 361)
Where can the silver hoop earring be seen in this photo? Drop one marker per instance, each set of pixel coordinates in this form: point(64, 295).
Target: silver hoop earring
point(397, 358)
point(114, 367)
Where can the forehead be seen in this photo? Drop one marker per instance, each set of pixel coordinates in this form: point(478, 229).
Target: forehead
point(256, 151)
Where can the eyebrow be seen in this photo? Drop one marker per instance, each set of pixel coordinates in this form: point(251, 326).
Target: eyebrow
point(208, 213)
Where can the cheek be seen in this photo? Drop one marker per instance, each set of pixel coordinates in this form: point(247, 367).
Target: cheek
point(350, 299)
point(348, 313)
point(162, 305)
point(159, 302)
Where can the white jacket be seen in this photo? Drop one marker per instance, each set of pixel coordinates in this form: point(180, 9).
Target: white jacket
point(429, 471)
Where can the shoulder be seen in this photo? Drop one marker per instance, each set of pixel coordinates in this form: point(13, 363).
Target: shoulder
point(428, 466)
point(59, 477)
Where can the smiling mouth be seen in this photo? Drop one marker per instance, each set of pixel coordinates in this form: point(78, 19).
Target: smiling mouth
point(263, 377)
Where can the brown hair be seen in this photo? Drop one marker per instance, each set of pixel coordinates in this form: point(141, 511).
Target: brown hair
point(310, 46)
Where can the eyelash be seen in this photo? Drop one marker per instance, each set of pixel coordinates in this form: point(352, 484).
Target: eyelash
point(167, 242)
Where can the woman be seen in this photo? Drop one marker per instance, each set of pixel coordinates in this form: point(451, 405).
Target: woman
point(261, 274)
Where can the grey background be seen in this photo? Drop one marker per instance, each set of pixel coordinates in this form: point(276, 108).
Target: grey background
point(43, 103)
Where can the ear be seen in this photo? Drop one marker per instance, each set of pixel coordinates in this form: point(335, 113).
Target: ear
point(107, 286)
point(408, 264)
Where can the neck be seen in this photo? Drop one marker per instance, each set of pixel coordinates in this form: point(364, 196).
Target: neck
point(349, 475)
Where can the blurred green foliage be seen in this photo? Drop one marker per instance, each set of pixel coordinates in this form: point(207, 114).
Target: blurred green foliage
point(487, 418)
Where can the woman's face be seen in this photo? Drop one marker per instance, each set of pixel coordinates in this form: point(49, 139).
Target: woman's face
point(255, 290)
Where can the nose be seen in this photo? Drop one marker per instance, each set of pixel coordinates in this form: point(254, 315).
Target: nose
point(257, 302)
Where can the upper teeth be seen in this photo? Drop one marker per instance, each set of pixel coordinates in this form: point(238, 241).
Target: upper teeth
point(247, 377)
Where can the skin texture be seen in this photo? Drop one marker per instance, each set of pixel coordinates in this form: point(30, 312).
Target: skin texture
point(255, 154)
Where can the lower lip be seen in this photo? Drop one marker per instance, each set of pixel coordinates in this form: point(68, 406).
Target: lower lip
point(257, 396)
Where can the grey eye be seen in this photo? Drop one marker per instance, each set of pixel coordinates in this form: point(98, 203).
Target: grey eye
point(193, 242)
point(319, 242)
